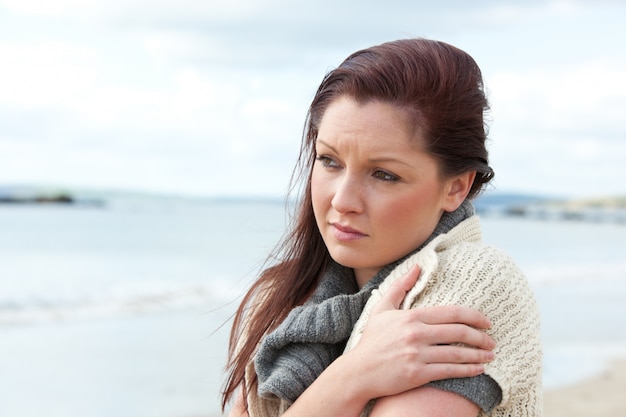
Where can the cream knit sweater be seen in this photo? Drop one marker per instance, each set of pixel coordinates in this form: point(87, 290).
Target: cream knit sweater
point(457, 269)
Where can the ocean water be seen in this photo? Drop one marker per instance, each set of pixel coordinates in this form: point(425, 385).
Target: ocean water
point(120, 311)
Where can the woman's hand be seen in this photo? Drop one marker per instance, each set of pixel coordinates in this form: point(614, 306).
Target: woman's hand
point(398, 351)
point(404, 349)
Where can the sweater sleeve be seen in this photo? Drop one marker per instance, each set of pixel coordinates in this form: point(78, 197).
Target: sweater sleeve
point(482, 390)
point(486, 279)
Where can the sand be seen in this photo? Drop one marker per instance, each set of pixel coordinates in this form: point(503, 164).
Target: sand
point(603, 395)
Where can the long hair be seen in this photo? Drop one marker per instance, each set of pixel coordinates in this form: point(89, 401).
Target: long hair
point(441, 88)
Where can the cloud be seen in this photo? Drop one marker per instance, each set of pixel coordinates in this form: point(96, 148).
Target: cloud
point(66, 118)
point(204, 96)
point(45, 73)
point(561, 127)
point(589, 97)
point(50, 8)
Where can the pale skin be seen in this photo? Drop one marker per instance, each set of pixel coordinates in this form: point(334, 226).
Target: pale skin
point(377, 196)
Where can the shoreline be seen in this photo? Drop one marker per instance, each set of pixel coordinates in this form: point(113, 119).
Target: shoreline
point(600, 395)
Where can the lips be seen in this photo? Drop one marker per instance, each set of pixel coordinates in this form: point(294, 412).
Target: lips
point(346, 233)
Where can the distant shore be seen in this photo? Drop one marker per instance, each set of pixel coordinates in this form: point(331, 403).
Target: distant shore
point(49, 199)
point(611, 209)
point(597, 210)
point(38, 199)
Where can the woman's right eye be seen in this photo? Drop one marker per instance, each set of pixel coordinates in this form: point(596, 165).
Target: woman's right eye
point(327, 161)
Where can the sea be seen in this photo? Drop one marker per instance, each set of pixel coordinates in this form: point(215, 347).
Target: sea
point(123, 309)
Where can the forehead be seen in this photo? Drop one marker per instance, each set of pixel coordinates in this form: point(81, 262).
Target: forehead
point(382, 124)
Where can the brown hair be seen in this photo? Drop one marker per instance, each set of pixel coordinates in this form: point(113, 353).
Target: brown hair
point(441, 87)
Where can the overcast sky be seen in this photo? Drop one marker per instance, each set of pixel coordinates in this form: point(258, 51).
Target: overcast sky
point(208, 97)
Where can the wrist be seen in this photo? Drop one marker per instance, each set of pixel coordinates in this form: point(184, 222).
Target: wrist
point(355, 389)
point(337, 391)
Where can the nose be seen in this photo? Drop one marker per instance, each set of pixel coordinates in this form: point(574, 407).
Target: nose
point(348, 196)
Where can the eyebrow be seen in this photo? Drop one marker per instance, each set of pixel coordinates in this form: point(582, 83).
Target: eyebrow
point(328, 145)
point(370, 160)
point(388, 159)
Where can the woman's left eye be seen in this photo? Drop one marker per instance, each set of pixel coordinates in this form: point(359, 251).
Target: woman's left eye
point(385, 176)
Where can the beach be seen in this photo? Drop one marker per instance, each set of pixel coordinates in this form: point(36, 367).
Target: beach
point(601, 395)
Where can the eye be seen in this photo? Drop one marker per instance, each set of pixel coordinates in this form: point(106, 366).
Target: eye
point(385, 176)
point(327, 161)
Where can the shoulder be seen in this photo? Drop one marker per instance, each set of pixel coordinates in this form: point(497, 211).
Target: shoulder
point(480, 262)
point(467, 262)
point(482, 277)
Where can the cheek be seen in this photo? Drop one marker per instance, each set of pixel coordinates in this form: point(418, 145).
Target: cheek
point(415, 214)
point(400, 217)
point(318, 193)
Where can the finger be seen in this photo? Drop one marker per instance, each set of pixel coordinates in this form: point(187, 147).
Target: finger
point(456, 355)
point(443, 334)
point(454, 314)
point(437, 371)
point(408, 280)
point(392, 299)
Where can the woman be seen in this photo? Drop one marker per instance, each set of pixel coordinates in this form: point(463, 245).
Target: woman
point(393, 151)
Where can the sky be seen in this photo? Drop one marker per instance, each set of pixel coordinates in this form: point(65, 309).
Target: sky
point(209, 97)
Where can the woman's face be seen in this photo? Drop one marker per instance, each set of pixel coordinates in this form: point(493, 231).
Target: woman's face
point(376, 195)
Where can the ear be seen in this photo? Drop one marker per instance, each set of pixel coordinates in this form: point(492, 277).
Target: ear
point(456, 190)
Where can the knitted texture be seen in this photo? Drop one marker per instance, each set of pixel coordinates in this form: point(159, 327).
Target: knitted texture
point(459, 270)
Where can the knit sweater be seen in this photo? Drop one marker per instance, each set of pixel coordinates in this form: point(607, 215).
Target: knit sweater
point(457, 269)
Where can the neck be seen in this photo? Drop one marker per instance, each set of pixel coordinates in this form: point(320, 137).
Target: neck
point(364, 275)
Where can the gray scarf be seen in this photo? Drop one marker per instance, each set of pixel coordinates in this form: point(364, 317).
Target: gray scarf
point(313, 335)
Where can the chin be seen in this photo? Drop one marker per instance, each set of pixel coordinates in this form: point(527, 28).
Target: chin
point(343, 259)
point(351, 261)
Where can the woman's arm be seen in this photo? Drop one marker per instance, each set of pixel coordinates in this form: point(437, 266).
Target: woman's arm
point(399, 351)
point(425, 402)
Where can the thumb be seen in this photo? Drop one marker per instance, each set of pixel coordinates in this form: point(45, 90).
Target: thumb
point(397, 291)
